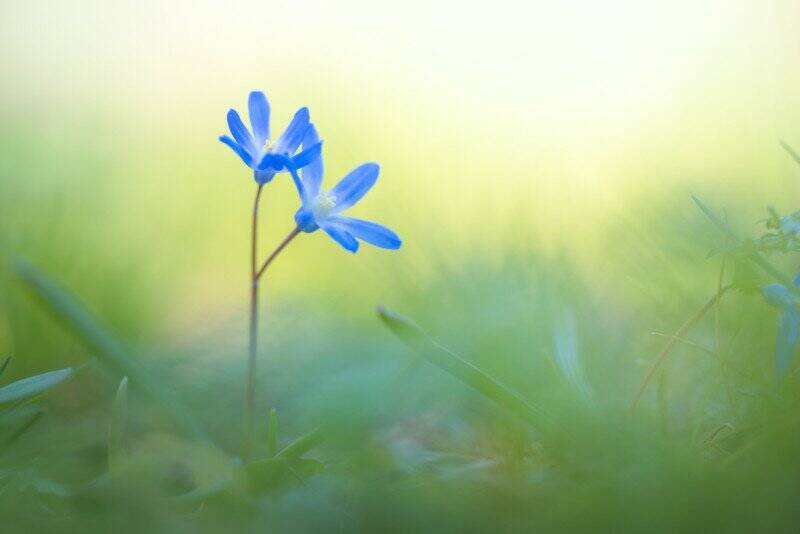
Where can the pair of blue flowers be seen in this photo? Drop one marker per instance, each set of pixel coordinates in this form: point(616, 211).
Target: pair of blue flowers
point(298, 151)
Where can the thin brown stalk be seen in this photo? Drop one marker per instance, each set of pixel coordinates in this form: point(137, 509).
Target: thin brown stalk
point(288, 239)
point(250, 389)
point(674, 339)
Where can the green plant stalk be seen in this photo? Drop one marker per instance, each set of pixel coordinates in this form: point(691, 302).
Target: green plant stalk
point(794, 155)
point(272, 433)
point(250, 388)
point(256, 273)
point(118, 424)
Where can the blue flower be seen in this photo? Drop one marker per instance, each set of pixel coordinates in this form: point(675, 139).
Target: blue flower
point(788, 325)
point(322, 209)
point(790, 224)
point(258, 152)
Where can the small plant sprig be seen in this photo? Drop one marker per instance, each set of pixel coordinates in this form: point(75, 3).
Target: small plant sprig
point(781, 235)
point(14, 397)
point(297, 151)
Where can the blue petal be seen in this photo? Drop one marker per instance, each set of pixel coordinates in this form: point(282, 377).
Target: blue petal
point(298, 183)
point(778, 295)
point(355, 185)
point(239, 132)
point(797, 280)
point(304, 158)
point(307, 156)
point(275, 162)
point(341, 236)
point(258, 107)
point(371, 232)
point(790, 224)
point(242, 153)
point(787, 341)
point(293, 136)
point(312, 173)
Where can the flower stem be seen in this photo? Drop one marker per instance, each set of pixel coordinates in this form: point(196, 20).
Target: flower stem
point(256, 273)
point(250, 390)
point(286, 241)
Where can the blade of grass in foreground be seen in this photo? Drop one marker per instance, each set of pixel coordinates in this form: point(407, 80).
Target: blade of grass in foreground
point(4, 365)
point(33, 385)
point(794, 155)
point(118, 426)
point(111, 352)
point(272, 433)
point(441, 357)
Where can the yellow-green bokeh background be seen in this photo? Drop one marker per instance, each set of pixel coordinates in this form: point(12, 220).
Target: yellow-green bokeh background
point(538, 160)
point(506, 126)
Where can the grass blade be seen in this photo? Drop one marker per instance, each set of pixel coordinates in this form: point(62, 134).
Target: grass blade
point(410, 333)
point(287, 465)
point(794, 155)
point(4, 365)
point(566, 356)
point(673, 339)
point(77, 319)
point(118, 426)
point(272, 433)
point(301, 445)
point(32, 385)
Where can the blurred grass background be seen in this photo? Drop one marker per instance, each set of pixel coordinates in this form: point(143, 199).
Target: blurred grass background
point(538, 162)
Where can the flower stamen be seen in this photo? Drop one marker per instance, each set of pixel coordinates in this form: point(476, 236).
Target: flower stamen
point(323, 205)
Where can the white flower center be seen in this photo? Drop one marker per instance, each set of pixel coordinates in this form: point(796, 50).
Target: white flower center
point(323, 205)
point(269, 144)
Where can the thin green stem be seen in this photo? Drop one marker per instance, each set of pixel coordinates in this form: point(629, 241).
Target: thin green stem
point(255, 278)
point(674, 339)
point(250, 390)
point(286, 240)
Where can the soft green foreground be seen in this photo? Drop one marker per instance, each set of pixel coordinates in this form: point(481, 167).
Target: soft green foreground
point(538, 163)
point(388, 440)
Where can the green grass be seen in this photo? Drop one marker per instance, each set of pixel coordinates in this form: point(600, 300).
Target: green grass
point(493, 390)
point(471, 425)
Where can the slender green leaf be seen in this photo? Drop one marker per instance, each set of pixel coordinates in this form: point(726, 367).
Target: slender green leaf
point(272, 433)
point(287, 465)
point(4, 365)
point(111, 352)
point(118, 425)
point(27, 387)
point(566, 357)
point(791, 152)
point(302, 445)
point(419, 341)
